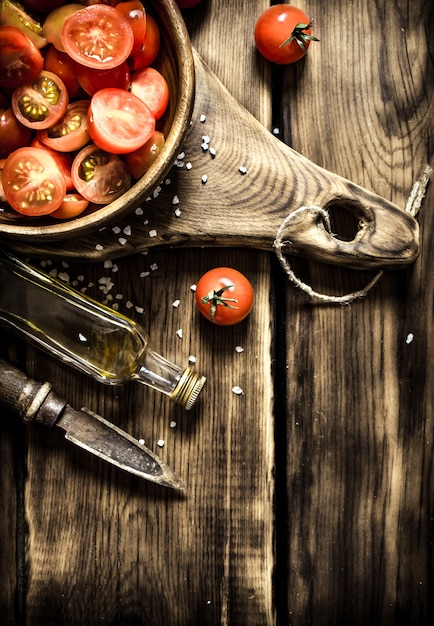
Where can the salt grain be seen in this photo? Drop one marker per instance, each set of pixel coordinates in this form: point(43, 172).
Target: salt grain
point(152, 233)
point(175, 200)
point(212, 152)
point(204, 179)
point(237, 390)
point(409, 338)
point(160, 443)
point(139, 211)
point(204, 146)
point(179, 333)
point(154, 266)
point(127, 231)
point(144, 274)
point(193, 287)
point(116, 230)
point(64, 276)
point(176, 303)
point(202, 118)
point(188, 166)
point(122, 241)
point(192, 359)
point(129, 304)
point(139, 309)
point(108, 264)
point(142, 442)
point(177, 212)
point(172, 424)
point(181, 156)
point(242, 170)
point(99, 247)
point(239, 349)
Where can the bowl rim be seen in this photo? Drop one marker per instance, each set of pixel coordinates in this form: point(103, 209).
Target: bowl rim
point(169, 14)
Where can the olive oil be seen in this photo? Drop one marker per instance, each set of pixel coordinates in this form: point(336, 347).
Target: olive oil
point(93, 338)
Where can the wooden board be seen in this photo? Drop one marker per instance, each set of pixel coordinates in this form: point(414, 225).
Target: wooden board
point(309, 496)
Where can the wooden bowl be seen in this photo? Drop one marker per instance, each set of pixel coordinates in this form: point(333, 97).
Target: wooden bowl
point(175, 61)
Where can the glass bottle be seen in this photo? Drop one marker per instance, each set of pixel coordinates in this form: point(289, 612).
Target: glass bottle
point(91, 337)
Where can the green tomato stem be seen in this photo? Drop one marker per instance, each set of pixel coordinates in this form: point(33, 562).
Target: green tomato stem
point(215, 298)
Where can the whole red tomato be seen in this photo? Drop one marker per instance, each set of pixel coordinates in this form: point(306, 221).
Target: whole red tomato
point(283, 34)
point(224, 296)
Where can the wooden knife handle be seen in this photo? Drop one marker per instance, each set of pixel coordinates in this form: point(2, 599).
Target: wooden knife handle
point(28, 399)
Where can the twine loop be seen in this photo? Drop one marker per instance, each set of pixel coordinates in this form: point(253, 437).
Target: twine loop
point(413, 206)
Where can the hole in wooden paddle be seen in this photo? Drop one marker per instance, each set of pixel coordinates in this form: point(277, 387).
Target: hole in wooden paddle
point(344, 219)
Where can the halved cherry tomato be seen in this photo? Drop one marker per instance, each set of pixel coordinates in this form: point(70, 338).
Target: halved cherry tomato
point(63, 160)
point(283, 33)
point(32, 182)
point(65, 68)
point(224, 296)
point(71, 132)
point(99, 176)
point(119, 121)
point(13, 135)
point(20, 60)
point(53, 23)
point(134, 12)
point(42, 102)
point(14, 14)
point(73, 205)
point(92, 80)
point(150, 48)
point(98, 36)
point(149, 85)
point(139, 161)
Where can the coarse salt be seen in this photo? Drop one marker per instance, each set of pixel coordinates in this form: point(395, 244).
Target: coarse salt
point(139, 211)
point(172, 424)
point(188, 166)
point(239, 349)
point(176, 303)
point(192, 359)
point(237, 390)
point(152, 233)
point(179, 333)
point(177, 212)
point(127, 230)
point(242, 170)
point(409, 338)
point(160, 443)
point(204, 179)
point(116, 230)
point(202, 118)
point(122, 241)
point(175, 200)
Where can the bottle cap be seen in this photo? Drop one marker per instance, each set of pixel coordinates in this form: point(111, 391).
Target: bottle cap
point(188, 388)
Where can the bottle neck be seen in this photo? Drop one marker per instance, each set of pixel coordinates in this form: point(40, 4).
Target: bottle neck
point(181, 384)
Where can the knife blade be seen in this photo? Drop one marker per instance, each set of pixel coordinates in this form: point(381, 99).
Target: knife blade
point(38, 402)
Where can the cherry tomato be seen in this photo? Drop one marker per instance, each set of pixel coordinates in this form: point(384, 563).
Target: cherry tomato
point(99, 176)
point(149, 85)
point(187, 4)
point(139, 161)
point(13, 14)
point(98, 36)
point(283, 34)
point(150, 48)
point(20, 60)
point(134, 12)
point(65, 68)
point(92, 80)
point(119, 121)
point(224, 296)
point(71, 132)
point(13, 135)
point(42, 102)
point(53, 23)
point(63, 160)
point(73, 205)
point(32, 182)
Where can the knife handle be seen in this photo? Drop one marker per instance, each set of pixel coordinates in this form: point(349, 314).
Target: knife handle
point(28, 399)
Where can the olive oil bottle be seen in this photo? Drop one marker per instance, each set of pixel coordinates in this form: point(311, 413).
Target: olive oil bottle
point(85, 334)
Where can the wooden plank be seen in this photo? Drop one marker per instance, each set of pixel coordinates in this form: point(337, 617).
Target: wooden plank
point(360, 401)
point(105, 546)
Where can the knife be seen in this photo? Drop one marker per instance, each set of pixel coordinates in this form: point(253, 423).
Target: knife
point(38, 402)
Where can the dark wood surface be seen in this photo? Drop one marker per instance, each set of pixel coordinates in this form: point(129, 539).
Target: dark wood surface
point(310, 496)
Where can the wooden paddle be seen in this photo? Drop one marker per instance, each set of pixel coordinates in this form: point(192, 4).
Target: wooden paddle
point(235, 184)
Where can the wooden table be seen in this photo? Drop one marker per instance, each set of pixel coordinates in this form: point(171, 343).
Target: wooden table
point(310, 495)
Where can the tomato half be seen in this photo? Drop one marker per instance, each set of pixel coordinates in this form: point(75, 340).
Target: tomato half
point(13, 14)
point(92, 80)
point(283, 34)
point(20, 60)
point(139, 161)
point(98, 36)
point(150, 47)
point(73, 205)
point(99, 176)
point(224, 296)
point(13, 135)
point(151, 87)
point(119, 121)
point(32, 182)
point(42, 102)
point(134, 12)
point(71, 132)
